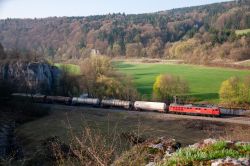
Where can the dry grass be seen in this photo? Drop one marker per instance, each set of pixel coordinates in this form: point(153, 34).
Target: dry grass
point(94, 137)
point(240, 133)
point(91, 148)
point(94, 148)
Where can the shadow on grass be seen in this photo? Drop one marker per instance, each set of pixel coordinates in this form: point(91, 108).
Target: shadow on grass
point(144, 74)
point(147, 93)
point(204, 96)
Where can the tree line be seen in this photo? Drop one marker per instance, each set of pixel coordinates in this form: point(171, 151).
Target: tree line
point(234, 92)
point(197, 31)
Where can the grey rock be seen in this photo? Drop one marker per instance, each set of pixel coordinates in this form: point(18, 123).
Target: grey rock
point(209, 141)
point(34, 75)
point(196, 145)
point(231, 161)
point(157, 146)
point(151, 164)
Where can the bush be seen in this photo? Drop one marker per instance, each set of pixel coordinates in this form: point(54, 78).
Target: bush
point(167, 86)
point(234, 92)
point(68, 84)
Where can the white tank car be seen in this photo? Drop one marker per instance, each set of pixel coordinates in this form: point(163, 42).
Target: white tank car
point(21, 95)
point(39, 98)
point(85, 101)
point(150, 106)
point(116, 103)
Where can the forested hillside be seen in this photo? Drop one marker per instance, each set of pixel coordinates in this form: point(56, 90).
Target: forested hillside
point(195, 34)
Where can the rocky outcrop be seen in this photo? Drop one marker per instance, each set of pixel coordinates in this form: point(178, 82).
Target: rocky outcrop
point(2, 53)
point(37, 77)
point(231, 162)
point(150, 152)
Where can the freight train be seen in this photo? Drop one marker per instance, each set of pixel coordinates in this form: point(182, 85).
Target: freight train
point(128, 105)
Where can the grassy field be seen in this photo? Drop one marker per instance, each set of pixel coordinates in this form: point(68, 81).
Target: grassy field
point(242, 32)
point(73, 69)
point(204, 82)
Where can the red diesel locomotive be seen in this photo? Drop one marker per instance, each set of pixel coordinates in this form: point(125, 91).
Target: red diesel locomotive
point(194, 110)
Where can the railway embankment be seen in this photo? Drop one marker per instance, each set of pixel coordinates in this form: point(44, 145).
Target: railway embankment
point(243, 120)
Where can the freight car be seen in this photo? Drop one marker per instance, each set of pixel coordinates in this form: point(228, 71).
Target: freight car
point(21, 95)
point(85, 101)
point(34, 98)
point(150, 106)
point(194, 110)
point(117, 103)
point(58, 99)
point(39, 98)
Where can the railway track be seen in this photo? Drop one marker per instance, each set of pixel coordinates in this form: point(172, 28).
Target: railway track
point(225, 119)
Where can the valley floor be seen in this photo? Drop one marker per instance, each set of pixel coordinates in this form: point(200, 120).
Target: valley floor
point(185, 129)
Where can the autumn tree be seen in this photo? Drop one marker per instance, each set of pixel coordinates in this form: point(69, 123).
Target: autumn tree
point(234, 91)
point(246, 83)
point(134, 50)
point(108, 87)
point(154, 50)
point(166, 86)
point(92, 68)
point(99, 79)
point(229, 91)
point(68, 84)
point(117, 50)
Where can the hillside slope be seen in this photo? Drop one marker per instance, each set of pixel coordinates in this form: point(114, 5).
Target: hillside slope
point(193, 31)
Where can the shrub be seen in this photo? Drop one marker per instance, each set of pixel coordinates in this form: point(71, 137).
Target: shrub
point(166, 86)
point(68, 84)
point(234, 91)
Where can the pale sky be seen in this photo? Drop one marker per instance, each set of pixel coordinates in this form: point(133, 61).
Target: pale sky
point(50, 8)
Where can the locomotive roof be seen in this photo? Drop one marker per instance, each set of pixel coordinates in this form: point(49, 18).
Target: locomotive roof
point(197, 106)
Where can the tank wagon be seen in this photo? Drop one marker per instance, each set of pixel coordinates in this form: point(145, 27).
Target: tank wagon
point(117, 103)
point(150, 106)
point(21, 95)
point(194, 110)
point(85, 101)
point(58, 99)
point(39, 98)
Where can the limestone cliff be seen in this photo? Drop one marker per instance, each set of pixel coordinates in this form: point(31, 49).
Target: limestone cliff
point(38, 77)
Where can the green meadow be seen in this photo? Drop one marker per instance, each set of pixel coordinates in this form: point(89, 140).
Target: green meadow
point(242, 32)
point(204, 82)
point(71, 68)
